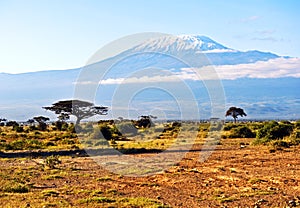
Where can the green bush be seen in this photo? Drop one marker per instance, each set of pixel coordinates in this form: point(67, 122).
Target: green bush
point(280, 143)
point(68, 141)
point(229, 126)
point(16, 188)
point(32, 128)
point(24, 144)
point(18, 129)
point(274, 130)
point(241, 132)
point(106, 131)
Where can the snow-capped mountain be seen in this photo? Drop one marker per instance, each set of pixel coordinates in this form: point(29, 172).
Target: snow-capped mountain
point(198, 47)
point(180, 43)
point(274, 94)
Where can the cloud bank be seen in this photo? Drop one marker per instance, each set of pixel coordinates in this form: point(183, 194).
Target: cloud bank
point(273, 68)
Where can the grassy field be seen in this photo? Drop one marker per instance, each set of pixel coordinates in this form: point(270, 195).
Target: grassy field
point(254, 164)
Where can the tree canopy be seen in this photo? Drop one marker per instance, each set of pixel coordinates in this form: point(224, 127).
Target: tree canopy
point(42, 122)
point(144, 121)
point(78, 108)
point(235, 112)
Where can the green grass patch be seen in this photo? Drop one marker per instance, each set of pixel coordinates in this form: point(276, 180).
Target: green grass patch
point(15, 188)
point(256, 180)
point(257, 193)
point(141, 202)
point(97, 200)
point(52, 177)
point(50, 193)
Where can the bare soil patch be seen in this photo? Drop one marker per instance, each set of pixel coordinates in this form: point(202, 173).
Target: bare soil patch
point(234, 175)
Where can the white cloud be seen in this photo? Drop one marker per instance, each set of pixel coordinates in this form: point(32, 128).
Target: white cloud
point(273, 68)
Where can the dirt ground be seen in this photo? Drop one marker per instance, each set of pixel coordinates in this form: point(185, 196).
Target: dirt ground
point(234, 175)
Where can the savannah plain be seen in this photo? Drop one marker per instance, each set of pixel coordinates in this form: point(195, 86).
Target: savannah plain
point(254, 164)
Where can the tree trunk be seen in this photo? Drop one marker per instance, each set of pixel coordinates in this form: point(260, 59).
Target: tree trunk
point(77, 122)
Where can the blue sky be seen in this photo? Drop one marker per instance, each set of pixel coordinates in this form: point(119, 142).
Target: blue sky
point(37, 35)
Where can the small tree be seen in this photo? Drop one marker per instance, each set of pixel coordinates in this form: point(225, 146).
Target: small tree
point(61, 124)
point(30, 121)
point(12, 123)
point(2, 120)
point(235, 112)
point(42, 122)
point(78, 108)
point(144, 121)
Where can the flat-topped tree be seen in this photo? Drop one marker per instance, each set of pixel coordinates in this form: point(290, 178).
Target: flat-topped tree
point(235, 112)
point(78, 108)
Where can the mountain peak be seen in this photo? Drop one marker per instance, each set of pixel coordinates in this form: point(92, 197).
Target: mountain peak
point(181, 43)
point(204, 43)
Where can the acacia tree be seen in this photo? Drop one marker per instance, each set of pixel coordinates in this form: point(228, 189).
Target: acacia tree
point(78, 108)
point(42, 122)
point(235, 112)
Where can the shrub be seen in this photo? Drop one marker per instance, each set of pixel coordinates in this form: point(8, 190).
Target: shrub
point(280, 143)
point(127, 128)
point(24, 144)
point(48, 144)
point(242, 132)
point(71, 128)
point(12, 123)
point(274, 130)
point(106, 131)
point(18, 129)
point(297, 124)
point(97, 200)
point(16, 188)
point(58, 125)
point(32, 128)
point(52, 161)
point(229, 126)
point(67, 141)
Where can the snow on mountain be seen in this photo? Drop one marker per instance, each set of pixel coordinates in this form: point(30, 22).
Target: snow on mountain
point(197, 50)
point(180, 43)
point(202, 43)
